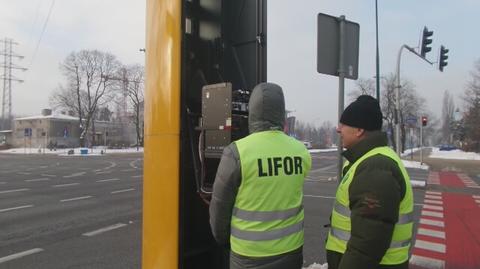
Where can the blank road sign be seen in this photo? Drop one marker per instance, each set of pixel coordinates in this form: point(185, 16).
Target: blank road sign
point(328, 46)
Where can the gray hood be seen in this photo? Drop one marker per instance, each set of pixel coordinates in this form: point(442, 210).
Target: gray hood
point(266, 108)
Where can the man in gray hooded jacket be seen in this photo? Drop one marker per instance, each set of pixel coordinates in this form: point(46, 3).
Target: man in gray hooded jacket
point(257, 202)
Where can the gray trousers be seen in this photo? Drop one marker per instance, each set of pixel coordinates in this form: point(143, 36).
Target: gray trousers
point(289, 260)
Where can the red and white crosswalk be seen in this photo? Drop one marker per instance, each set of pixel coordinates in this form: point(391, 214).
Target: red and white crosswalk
point(469, 183)
point(430, 244)
point(448, 233)
point(433, 178)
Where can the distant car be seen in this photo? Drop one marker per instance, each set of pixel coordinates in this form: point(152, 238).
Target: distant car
point(447, 147)
point(307, 144)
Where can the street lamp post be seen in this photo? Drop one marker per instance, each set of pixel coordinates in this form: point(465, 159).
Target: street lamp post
point(378, 54)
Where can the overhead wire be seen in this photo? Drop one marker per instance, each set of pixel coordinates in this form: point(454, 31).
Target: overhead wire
point(34, 22)
point(43, 31)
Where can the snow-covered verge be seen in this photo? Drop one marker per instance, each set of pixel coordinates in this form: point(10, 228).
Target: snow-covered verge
point(322, 150)
point(407, 152)
point(91, 152)
point(456, 154)
point(413, 164)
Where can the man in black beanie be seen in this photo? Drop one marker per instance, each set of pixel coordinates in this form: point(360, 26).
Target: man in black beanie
point(371, 221)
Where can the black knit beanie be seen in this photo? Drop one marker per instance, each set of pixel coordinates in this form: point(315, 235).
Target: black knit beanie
point(363, 113)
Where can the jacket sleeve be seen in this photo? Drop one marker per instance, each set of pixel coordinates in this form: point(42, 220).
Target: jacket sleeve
point(375, 194)
point(225, 189)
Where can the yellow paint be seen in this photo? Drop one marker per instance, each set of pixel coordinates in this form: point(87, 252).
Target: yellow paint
point(162, 135)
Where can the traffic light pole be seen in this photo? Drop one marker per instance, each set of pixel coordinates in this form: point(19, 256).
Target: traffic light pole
point(397, 103)
point(421, 144)
point(397, 95)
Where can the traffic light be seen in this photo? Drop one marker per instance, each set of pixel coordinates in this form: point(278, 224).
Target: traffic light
point(426, 41)
point(424, 121)
point(443, 58)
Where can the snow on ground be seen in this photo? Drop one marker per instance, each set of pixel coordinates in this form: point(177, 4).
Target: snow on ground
point(412, 164)
point(322, 150)
point(454, 154)
point(63, 152)
point(407, 152)
point(317, 266)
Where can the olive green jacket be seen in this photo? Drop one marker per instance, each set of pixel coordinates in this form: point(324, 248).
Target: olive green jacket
point(375, 194)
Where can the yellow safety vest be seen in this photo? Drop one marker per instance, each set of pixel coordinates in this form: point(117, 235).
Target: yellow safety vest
point(267, 217)
point(340, 230)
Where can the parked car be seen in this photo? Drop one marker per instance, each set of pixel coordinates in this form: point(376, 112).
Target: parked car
point(447, 147)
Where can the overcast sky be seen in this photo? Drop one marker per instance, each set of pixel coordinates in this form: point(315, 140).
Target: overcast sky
point(118, 26)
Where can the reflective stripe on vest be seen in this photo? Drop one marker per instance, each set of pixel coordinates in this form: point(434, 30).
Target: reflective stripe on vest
point(340, 231)
point(345, 236)
point(345, 211)
point(267, 235)
point(267, 217)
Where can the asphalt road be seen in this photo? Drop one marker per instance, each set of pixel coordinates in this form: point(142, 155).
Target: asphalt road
point(70, 212)
point(74, 212)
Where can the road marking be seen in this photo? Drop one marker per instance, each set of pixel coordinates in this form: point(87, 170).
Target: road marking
point(75, 199)
point(127, 170)
point(432, 233)
point(137, 176)
point(119, 191)
point(17, 190)
point(318, 180)
point(437, 247)
point(433, 207)
point(75, 174)
point(432, 214)
point(424, 262)
point(20, 255)
point(106, 229)
point(477, 201)
point(15, 208)
point(24, 173)
point(433, 192)
point(47, 175)
point(319, 196)
point(37, 179)
point(437, 223)
point(433, 197)
point(112, 164)
point(65, 185)
point(104, 172)
point(476, 196)
point(437, 202)
point(132, 163)
point(110, 179)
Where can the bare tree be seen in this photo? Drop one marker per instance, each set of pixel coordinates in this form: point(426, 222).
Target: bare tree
point(448, 111)
point(411, 104)
point(471, 118)
point(87, 86)
point(130, 96)
point(136, 74)
point(364, 86)
point(320, 137)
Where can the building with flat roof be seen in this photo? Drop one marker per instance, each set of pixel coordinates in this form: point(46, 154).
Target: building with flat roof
point(62, 130)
